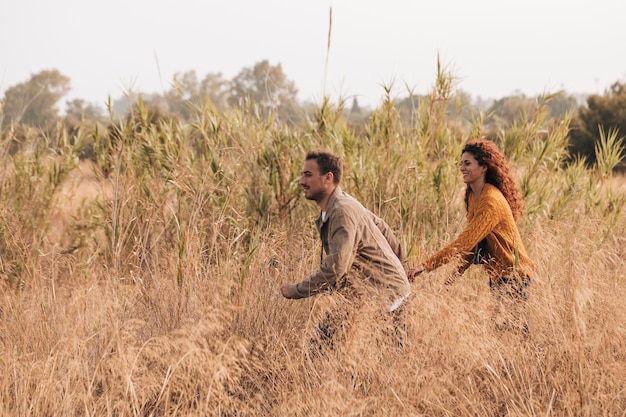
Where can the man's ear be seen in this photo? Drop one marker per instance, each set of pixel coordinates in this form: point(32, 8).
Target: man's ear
point(329, 177)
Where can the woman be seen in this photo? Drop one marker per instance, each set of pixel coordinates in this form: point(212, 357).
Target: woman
point(491, 238)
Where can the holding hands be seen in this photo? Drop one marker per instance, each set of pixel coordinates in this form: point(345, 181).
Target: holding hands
point(413, 273)
point(419, 270)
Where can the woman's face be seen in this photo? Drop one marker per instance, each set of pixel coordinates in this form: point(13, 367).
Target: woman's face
point(472, 172)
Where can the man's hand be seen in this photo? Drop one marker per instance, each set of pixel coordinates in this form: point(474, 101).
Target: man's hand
point(289, 291)
point(413, 273)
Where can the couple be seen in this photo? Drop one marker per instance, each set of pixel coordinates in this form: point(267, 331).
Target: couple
point(362, 258)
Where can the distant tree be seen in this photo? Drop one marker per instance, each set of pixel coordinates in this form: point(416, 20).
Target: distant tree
point(80, 114)
point(459, 109)
point(188, 92)
point(33, 102)
point(504, 112)
point(216, 88)
point(606, 111)
point(267, 86)
point(518, 110)
point(355, 116)
point(562, 104)
point(481, 103)
point(355, 109)
point(462, 106)
point(408, 107)
point(78, 111)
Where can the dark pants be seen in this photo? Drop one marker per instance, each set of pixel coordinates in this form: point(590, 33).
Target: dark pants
point(399, 324)
point(511, 296)
point(515, 288)
point(334, 325)
point(331, 328)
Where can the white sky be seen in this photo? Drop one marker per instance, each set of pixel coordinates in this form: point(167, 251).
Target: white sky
point(496, 48)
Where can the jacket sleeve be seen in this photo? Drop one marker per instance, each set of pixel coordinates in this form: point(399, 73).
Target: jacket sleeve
point(484, 221)
point(341, 255)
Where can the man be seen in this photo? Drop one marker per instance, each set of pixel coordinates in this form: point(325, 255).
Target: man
point(363, 258)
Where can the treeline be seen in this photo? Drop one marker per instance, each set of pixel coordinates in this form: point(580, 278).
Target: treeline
point(265, 88)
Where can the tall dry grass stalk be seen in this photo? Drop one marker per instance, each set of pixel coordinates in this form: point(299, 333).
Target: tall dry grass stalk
point(145, 281)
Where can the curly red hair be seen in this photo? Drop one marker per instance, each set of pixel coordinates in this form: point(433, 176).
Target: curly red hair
point(498, 173)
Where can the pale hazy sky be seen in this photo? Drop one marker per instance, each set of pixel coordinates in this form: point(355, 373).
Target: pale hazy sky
point(495, 48)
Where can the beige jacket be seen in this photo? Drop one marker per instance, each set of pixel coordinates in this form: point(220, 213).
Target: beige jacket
point(361, 253)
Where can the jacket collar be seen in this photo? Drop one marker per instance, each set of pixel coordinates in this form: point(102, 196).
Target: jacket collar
point(331, 202)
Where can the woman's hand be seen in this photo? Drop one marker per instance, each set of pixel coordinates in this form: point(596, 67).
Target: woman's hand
point(413, 273)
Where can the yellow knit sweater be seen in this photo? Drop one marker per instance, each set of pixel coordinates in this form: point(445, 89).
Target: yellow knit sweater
point(489, 216)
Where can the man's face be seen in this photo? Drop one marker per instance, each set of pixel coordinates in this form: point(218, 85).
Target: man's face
point(316, 186)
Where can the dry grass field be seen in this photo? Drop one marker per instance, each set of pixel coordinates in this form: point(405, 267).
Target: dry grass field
point(145, 282)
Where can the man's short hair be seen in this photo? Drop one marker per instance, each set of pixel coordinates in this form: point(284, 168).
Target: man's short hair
point(327, 162)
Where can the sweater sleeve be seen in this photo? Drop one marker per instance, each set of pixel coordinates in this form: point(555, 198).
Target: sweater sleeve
point(487, 215)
